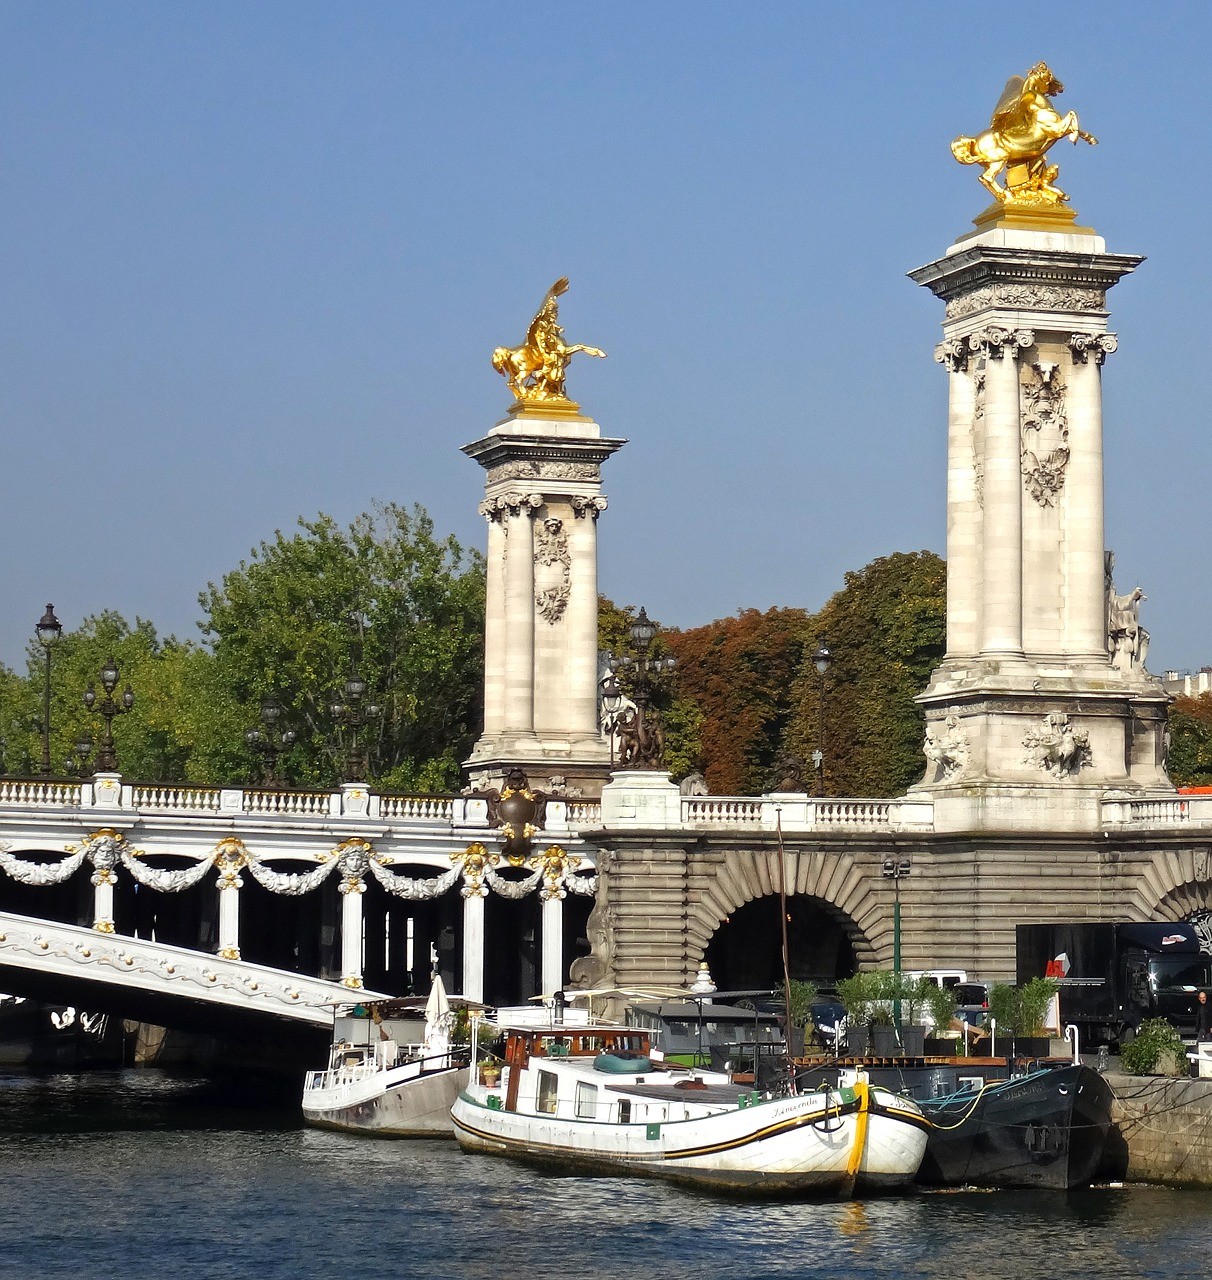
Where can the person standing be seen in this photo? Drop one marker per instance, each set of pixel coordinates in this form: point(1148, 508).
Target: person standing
point(1203, 1018)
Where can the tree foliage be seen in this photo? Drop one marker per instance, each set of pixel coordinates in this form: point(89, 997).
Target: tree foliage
point(738, 674)
point(886, 630)
point(385, 595)
point(1190, 757)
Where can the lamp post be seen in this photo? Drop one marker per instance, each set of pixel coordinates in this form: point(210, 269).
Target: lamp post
point(270, 742)
point(107, 709)
point(48, 630)
point(84, 748)
point(895, 869)
point(821, 660)
point(643, 742)
point(353, 714)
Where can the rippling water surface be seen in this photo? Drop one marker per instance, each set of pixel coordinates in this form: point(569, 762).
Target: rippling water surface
point(139, 1174)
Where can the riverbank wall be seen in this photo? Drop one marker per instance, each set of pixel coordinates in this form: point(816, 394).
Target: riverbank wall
point(1166, 1128)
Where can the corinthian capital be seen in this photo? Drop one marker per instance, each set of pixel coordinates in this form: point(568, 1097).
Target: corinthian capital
point(953, 352)
point(995, 340)
point(1096, 346)
point(510, 504)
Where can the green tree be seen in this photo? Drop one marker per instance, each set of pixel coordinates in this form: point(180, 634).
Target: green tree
point(886, 630)
point(1190, 758)
point(152, 741)
point(385, 594)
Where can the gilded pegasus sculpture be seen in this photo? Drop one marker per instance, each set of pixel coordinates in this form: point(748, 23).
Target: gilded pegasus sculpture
point(535, 371)
point(1024, 125)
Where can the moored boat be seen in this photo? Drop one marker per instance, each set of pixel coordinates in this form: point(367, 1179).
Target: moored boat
point(1046, 1128)
point(377, 1083)
point(591, 1099)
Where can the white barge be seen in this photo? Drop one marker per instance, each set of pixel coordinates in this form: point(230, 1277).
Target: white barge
point(591, 1099)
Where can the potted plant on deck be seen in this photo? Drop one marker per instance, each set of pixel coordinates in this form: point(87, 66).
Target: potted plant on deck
point(940, 1007)
point(914, 994)
point(855, 994)
point(800, 998)
point(885, 988)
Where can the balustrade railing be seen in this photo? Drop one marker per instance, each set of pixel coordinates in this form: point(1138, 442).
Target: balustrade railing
point(418, 808)
point(173, 798)
point(584, 813)
point(37, 792)
point(731, 811)
point(303, 804)
point(859, 815)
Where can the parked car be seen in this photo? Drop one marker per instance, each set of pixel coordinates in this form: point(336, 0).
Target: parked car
point(972, 1002)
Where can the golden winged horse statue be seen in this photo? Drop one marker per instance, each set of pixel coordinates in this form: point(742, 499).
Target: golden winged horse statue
point(1024, 125)
point(535, 370)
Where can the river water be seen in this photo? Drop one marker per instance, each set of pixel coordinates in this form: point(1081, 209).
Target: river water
point(140, 1174)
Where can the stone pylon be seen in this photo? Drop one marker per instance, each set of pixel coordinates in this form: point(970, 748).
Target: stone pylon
point(542, 498)
point(1043, 692)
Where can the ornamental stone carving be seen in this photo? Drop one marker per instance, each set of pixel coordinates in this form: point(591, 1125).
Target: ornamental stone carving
point(1029, 296)
point(536, 469)
point(995, 340)
point(589, 506)
point(1056, 747)
point(1044, 426)
point(509, 504)
point(354, 859)
point(1127, 640)
point(952, 352)
point(947, 750)
point(1095, 346)
point(553, 570)
point(978, 416)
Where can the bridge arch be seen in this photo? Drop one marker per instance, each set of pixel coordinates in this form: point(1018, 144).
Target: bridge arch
point(1175, 884)
point(832, 886)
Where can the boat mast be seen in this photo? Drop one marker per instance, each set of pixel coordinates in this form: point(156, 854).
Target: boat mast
point(778, 817)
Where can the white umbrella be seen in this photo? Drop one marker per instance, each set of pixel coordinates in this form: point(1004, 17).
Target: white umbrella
point(437, 1015)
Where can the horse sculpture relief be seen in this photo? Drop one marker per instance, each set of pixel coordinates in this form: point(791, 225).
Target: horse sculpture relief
point(1024, 125)
point(535, 371)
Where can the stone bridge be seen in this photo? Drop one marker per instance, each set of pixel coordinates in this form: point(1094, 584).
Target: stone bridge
point(326, 893)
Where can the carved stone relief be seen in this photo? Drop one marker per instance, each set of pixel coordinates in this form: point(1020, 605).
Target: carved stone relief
point(1044, 426)
point(1028, 297)
point(1056, 747)
point(978, 417)
point(952, 352)
point(1127, 640)
point(589, 506)
point(947, 749)
point(553, 570)
point(535, 469)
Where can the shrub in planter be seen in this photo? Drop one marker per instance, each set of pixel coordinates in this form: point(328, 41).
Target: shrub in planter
point(801, 996)
point(1157, 1050)
point(940, 1003)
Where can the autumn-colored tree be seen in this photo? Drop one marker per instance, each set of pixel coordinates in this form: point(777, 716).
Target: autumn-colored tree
point(886, 630)
point(738, 673)
point(1190, 758)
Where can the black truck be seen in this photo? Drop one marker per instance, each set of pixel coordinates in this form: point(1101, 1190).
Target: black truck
point(1114, 976)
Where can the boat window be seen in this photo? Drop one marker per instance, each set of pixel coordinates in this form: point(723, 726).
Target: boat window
point(586, 1101)
point(624, 1111)
point(545, 1098)
point(679, 1028)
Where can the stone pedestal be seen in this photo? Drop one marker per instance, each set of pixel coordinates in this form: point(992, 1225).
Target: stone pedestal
point(641, 799)
point(542, 499)
point(1028, 701)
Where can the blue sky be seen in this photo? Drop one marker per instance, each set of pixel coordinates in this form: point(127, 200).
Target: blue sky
point(254, 258)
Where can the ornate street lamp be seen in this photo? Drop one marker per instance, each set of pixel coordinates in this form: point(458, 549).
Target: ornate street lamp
point(48, 630)
point(353, 717)
point(107, 709)
point(821, 659)
point(895, 869)
point(611, 698)
point(637, 724)
point(84, 749)
point(271, 741)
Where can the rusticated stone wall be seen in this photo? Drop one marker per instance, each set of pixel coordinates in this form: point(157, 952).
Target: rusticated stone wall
point(662, 895)
point(1166, 1128)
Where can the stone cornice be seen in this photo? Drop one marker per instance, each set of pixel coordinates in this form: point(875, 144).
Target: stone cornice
point(494, 450)
point(966, 270)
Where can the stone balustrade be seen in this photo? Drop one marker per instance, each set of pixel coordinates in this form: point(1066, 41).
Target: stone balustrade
point(1172, 811)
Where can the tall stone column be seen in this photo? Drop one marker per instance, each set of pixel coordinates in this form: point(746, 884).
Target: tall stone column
point(964, 513)
point(519, 614)
point(229, 916)
point(494, 622)
point(473, 947)
point(542, 495)
point(553, 944)
point(1085, 543)
point(1027, 703)
point(1002, 525)
point(352, 924)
